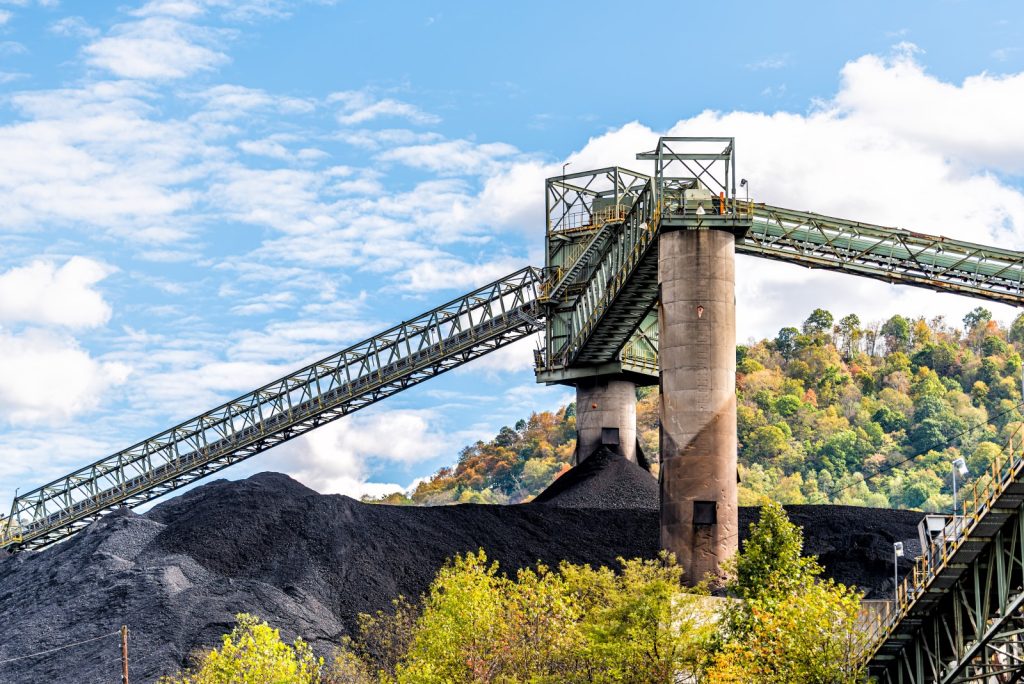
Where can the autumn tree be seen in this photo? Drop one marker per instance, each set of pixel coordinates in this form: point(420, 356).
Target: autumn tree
point(253, 653)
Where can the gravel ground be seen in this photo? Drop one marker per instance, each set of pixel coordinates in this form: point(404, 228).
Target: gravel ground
point(309, 563)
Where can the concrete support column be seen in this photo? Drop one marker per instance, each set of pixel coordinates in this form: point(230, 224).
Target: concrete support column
point(697, 353)
point(605, 412)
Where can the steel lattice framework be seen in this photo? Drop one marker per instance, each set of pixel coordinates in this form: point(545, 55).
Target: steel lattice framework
point(622, 289)
point(958, 616)
point(432, 343)
point(889, 254)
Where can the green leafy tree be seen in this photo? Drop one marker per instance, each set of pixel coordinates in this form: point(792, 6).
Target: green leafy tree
point(896, 332)
point(789, 626)
point(1016, 334)
point(785, 342)
point(253, 653)
point(977, 318)
point(849, 330)
point(820, 321)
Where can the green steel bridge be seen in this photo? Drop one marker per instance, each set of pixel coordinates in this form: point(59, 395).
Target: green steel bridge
point(957, 618)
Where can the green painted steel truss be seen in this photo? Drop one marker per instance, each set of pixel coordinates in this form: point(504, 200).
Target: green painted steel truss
point(889, 254)
point(441, 339)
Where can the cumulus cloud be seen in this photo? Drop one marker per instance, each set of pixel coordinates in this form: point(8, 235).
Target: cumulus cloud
point(157, 46)
point(339, 458)
point(46, 377)
point(47, 294)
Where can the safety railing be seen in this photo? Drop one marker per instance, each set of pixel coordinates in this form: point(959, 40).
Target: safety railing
point(638, 231)
point(581, 220)
point(10, 532)
point(979, 498)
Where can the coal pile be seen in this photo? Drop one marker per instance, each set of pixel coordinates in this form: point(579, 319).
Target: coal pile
point(309, 563)
point(604, 480)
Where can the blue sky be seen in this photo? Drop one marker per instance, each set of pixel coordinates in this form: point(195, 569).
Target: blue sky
point(197, 196)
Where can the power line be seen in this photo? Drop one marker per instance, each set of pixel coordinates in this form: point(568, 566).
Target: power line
point(60, 648)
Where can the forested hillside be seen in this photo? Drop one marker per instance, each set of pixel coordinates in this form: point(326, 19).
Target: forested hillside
point(830, 412)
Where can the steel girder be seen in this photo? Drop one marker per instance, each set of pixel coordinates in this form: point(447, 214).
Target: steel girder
point(959, 617)
point(889, 254)
point(468, 327)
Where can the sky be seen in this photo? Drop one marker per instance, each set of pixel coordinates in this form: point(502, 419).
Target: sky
point(199, 196)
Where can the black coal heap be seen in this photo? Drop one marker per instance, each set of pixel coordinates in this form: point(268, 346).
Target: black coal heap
point(309, 563)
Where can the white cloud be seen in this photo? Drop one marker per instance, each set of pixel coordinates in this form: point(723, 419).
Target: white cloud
point(48, 377)
point(43, 293)
point(158, 46)
point(388, 137)
point(771, 62)
point(360, 106)
point(975, 123)
point(95, 155)
point(227, 101)
point(264, 304)
point(459, 157)
point(447, 272)
point(339, 458)
point(73, 27)
point(5, 16)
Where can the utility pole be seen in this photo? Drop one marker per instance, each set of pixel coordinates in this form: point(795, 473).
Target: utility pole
point(124, 654)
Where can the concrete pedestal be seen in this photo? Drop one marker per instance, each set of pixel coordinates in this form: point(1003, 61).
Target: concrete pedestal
point(605, 414)
point(697, 352)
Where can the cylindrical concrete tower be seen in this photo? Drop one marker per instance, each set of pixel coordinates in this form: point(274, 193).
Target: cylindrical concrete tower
point(605, 414)
point(697, 353)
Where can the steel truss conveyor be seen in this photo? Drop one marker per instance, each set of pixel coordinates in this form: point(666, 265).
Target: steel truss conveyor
point(959, 616)
point(889, 254)
point(441, 339)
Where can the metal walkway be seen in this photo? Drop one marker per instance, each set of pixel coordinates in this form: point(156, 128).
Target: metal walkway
point(889, 254)
point(441, 339)
point(957, 616)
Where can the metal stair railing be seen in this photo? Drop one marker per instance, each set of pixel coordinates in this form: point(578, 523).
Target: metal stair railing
point(465, 328)
point(629, 244)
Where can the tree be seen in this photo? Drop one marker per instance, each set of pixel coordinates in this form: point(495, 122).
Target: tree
point(812, 637)
point(976, 318)
point(896, 332)
point(820, 321)
point(253, 653)
point(785, 342)
point(849, 329)
point(771, 563)
point(788, 627)
point(575, 624)
point(1016, 334)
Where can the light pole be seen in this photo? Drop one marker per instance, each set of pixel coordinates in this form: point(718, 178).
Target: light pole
point(959, 466)
point(743, 184)
point(565, 192)
point(897, 550)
